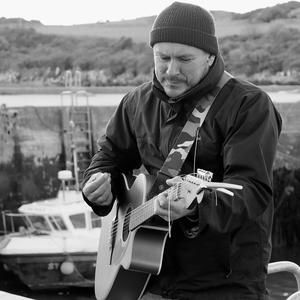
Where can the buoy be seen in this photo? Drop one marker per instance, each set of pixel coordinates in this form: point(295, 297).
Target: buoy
point(67, 267)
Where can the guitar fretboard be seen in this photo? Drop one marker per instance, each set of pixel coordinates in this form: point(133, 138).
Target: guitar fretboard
point(146, 211)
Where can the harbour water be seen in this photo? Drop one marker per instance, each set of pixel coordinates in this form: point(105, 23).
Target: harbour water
point(283, 96)
point(44, 100)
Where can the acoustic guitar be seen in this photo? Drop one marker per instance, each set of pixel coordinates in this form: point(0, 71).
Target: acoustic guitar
point(131, 246)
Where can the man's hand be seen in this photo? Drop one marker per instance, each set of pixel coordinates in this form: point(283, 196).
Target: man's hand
point(98, 189)
point(177, 207)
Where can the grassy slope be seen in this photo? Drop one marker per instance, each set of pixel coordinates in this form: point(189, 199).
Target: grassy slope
point(139, 31)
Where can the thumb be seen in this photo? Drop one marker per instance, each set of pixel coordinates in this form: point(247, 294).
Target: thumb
point(174, 180)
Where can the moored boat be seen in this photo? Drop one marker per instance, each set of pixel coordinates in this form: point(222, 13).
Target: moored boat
point(52, 243)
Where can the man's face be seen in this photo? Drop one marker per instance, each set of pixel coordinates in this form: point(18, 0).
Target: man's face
point(179, 67)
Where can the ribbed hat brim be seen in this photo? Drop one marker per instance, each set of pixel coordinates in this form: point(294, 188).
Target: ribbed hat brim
point(195, 38)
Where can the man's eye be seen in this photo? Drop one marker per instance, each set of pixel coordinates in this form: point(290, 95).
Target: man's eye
point(164, 58)
point(185, 59)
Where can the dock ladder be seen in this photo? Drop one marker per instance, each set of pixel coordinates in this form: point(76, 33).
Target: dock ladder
point(78, 136)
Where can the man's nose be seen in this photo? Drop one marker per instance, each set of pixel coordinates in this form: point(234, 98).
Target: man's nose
point(173, 67)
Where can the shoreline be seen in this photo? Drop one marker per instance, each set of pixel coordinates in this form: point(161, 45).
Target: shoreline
point(54, 90)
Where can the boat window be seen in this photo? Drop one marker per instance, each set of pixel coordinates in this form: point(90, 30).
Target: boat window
point(96, 220)
point(39, 223)
point(58, 223)
point(14, 222)
point(78, 220)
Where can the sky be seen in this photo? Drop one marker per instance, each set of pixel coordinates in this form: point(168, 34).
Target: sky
point(70, 12)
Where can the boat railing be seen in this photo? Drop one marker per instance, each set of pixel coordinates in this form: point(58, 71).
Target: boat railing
point(287, 266)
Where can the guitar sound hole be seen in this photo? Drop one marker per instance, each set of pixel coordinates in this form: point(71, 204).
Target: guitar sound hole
point(126, 225)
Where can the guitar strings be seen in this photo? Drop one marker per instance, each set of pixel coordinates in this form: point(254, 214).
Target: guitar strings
point(137, 210)
point(136, 213)
point(177, 191)
point(169, 216)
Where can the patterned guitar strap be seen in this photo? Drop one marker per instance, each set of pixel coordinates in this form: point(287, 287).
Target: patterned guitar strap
point(185, 140)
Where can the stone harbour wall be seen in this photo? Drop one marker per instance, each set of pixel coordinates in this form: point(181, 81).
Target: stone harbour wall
point(33, 149)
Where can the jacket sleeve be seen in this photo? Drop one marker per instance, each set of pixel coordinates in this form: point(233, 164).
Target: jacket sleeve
point(248, 156)
point(117, 152)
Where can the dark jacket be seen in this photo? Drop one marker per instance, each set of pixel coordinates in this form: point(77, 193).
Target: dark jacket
point(237, 142)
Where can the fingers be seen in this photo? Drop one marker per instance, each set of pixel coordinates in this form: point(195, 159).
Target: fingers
point(98, 189)
point(162, 200)
point(94, 182)
point(102, 195)
point(169, 209)
point(97, 181)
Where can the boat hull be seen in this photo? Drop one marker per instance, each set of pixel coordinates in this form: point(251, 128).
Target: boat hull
point(52, 271)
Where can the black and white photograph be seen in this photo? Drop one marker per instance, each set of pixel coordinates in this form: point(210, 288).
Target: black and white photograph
point(149, 150)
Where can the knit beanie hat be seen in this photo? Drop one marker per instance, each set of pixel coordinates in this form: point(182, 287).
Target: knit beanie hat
point(187, 24)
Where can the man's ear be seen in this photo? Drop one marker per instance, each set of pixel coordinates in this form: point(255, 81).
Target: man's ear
point(211, 59)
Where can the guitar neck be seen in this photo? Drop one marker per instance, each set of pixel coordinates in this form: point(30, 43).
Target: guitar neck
point(147, 210)
point(188, 189)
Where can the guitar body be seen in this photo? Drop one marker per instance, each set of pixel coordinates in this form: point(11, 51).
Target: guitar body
point(127, 258)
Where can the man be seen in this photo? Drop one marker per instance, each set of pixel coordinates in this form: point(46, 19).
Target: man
point(226, 257)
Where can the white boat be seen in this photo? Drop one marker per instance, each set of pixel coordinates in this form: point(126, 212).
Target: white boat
point(52, 243)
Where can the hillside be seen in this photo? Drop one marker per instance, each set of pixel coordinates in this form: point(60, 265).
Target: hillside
point(261, 46)
point(227, 23)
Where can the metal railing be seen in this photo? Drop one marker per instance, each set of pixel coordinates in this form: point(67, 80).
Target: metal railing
point(287, 266)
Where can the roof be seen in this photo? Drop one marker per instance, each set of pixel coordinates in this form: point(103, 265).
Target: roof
point(68, 202)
